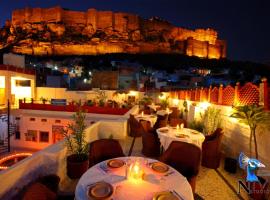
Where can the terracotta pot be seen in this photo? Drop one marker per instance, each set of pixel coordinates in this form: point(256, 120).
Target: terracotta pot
point(76, 167)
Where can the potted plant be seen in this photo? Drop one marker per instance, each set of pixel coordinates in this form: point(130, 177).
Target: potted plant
point(44, 100)
point(185, 113)
point(101, 97)
point(74, 133)
point(253, 116)
point(211, 120)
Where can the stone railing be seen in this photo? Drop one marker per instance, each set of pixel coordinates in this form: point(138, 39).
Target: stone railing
point(51, 160)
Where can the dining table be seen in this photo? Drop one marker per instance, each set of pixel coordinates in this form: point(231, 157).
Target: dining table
point(158, 180)
point(168, 134)
point(164, 112)
point(154, 107)
point(151, 118)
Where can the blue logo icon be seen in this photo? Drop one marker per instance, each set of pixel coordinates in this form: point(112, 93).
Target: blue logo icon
point(250, 165)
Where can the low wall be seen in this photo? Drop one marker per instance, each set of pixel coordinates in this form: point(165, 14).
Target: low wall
point(236, 135)
point(50, 160)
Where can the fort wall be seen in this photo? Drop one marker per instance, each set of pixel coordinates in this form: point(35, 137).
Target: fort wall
point(198, 42)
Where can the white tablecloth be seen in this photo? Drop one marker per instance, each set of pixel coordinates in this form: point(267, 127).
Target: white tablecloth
point(154, 107)
point(151, 118)
point(166, 138)
point(164, 112)
point(128, 190)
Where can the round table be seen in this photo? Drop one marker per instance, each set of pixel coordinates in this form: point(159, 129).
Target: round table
point(169, 134)
point(154, 107)
point(164, 112)
point(125, 189)
point(151, 118)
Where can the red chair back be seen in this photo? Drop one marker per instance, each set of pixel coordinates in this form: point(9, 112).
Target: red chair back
point(135, 128)
point(162, 121)
point(184, 157)
point(104, 149)
point(150, 140)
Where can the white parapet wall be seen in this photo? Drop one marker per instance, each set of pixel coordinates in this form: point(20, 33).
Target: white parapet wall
point(51, 160)
point(236, 134)
point(113, 126)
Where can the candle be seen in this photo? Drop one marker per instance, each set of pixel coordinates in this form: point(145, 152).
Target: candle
point(135, 172)
point(167, 110)
point(182, 126)
point(142, 113)
point(177, 127)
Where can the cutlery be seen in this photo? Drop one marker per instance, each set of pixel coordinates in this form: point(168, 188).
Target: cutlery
point(169, 173)
point(178, 195)
point(103, 168)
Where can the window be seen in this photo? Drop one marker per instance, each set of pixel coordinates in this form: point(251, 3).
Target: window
point(31, 135)
point(58, 121)
point(43, 120)
point(23, 83)
point(57, 133)
point(43, 136)
point(32, 119)
point(17, 135)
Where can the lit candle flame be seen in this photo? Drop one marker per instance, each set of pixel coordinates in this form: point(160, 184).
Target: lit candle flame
point(182, 126)
point(177, 127)
point(142, 113)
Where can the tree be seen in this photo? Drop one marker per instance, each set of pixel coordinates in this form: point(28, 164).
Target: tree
point(253, 116)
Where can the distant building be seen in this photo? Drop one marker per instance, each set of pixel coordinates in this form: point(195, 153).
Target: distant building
point(14, 59)
point(105, 80)
point(16, 83)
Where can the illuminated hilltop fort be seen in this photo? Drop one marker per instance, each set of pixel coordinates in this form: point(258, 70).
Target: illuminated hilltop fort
point(56, 31)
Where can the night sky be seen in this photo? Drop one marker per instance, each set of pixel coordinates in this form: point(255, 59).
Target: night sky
point(245, 24)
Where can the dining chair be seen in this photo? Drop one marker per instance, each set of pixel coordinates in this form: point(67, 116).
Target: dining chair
point(44, 188)
point(104, 149)
point(135, 129)
point(177, 121)
point(162, 121)
point(174, 114)
point(38, 191)
point(211, 149)
point(185, 158)
point(150, 140)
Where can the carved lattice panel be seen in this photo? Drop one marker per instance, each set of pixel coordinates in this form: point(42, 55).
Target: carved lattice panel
point(214, 95)
point(249, 94)
point(197, 95)
point(188, 95)
point(192, 95)
point(204, 94)
point(228, 96)
point(181, 94)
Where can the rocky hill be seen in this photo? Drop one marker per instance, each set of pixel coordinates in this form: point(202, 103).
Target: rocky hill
point(56, 31)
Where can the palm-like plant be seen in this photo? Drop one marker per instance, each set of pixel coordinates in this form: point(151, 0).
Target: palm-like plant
point(75, 136)
point(253, 116)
